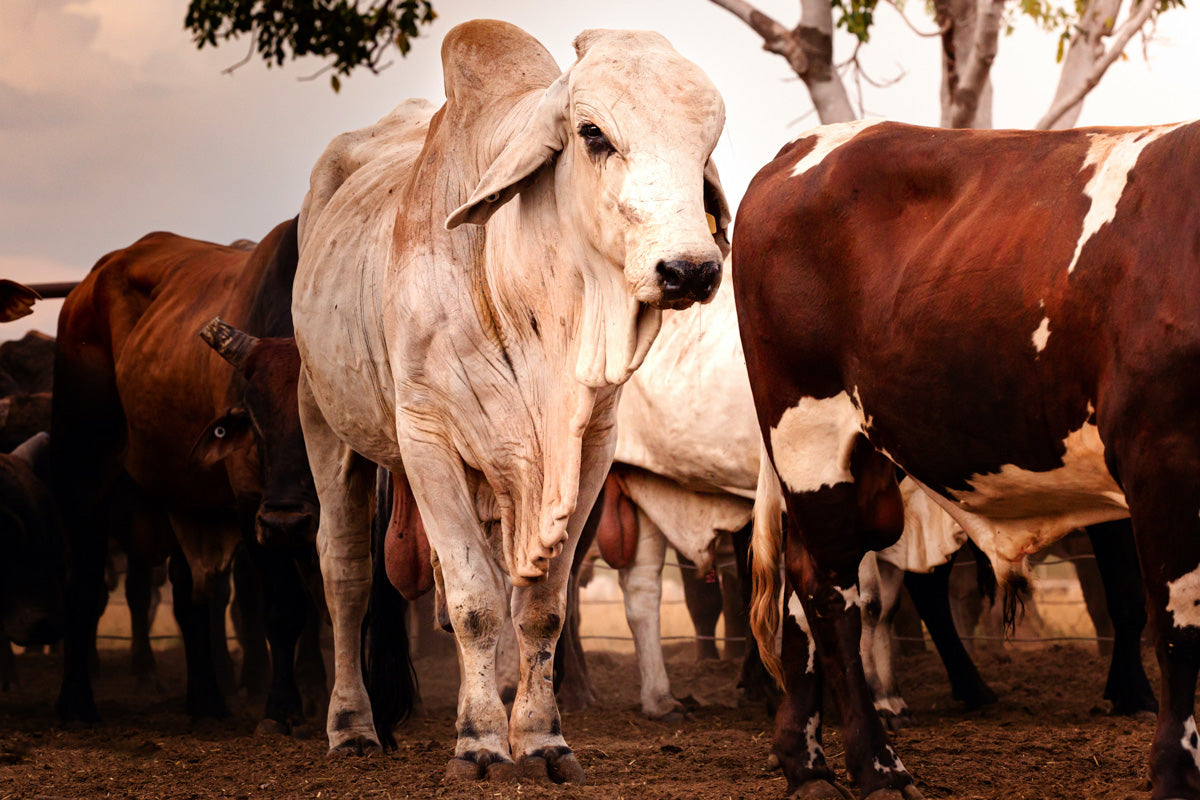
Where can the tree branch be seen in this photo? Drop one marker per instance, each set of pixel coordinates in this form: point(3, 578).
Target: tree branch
point(909, 23)
point(1140, 16)
point(776, 38)
point(979, 63)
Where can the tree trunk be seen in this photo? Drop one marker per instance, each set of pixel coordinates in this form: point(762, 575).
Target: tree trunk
point(1085, 51)
point(1083, 71)
point(808, 49)
point(969, 43)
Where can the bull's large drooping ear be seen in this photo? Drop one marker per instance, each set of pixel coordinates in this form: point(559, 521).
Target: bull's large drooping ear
point(716, 207)
point(544, 136)
point(226, 434)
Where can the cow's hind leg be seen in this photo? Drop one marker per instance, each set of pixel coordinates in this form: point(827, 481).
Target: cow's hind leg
point(641, 586)
point(1162, 486)
point(832, 521)
point(343, 480)
point(879, 584)
point(1125, 596)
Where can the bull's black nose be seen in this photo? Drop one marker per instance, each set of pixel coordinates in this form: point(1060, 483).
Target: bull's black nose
point(686, 282)
point(285, 527)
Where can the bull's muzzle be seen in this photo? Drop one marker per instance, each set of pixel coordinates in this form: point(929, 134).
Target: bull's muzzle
point(684, 282)
point(286, 526)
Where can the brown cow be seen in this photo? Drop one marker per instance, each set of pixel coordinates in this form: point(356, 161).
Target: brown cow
point(137, 393)
point(1011, 318)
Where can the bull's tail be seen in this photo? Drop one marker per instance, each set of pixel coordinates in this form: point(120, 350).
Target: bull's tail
point(388, 668)
point(767, 545)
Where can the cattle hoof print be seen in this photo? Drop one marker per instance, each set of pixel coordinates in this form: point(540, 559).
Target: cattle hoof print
point(821, 790)
point(554, 764)
point(356, 746)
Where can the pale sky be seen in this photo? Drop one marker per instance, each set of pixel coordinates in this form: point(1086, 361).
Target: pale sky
point(112, 124)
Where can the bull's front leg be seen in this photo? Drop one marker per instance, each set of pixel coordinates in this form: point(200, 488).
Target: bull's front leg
point(535, 727)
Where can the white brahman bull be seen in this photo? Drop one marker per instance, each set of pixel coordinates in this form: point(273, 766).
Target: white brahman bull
point(484, 361)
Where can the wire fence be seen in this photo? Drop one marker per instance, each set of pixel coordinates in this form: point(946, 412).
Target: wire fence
point(1059, 606)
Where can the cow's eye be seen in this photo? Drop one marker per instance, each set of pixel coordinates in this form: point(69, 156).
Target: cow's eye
point(597, 143)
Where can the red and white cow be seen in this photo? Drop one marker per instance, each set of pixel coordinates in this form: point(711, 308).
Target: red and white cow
point(1011, 318)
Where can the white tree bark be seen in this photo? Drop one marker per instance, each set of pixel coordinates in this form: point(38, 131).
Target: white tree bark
point(969, 44)
point(1087, 60)
point(808, 49)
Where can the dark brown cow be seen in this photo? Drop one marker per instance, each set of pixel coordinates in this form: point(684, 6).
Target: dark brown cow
point(137, 393)
point(1011, 317)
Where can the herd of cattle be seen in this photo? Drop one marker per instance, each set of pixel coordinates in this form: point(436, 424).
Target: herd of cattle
point(926, 336)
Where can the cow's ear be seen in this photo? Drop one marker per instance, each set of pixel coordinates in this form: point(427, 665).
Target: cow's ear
point(227, 433)
point(541, 139)
point(716, 207)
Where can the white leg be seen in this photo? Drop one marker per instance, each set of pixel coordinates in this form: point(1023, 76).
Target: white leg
point(879, 603)
point(343, 480)
point(641, 584)
point(476, 598)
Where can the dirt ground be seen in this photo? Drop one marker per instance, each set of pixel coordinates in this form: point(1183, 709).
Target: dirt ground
point(1048, 738)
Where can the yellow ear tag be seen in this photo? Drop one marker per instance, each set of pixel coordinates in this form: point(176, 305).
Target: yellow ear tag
point(712, 223)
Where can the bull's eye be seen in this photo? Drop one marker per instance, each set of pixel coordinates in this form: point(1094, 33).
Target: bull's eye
point(597, 143)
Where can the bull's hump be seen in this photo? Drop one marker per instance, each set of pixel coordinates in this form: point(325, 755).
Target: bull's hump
point(485, 59)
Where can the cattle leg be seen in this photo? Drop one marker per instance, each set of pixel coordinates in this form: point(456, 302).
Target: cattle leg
point(641, 586)
point(754, 679)
point(287, 609)
point(572, 683)
point(1163, 503)
point(8, 664)
point(704, 602)
point(931, 595)
point(138, 596)
point(735, 611)
point(194, 617)
point(343, 481)
point(829, 529)
point(1125, 595)
point(248, 626)
point(218, 607)
point(475, 600)
point(535, 728)
point(879, 586)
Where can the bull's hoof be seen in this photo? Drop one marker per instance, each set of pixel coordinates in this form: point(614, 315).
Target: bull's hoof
point(365, 746)
point(820, 790)
point(894, 722)
point(672, 712)
point(552, 764)
point(483, 764)
point(208, 710)
point(303, 730)
point(271, 727)
point(976, 697)
point(72, 708)
point(909, 792)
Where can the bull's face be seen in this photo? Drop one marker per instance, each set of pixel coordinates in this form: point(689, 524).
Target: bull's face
point(643, 122)
point(633, 125)
point(267, 418)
